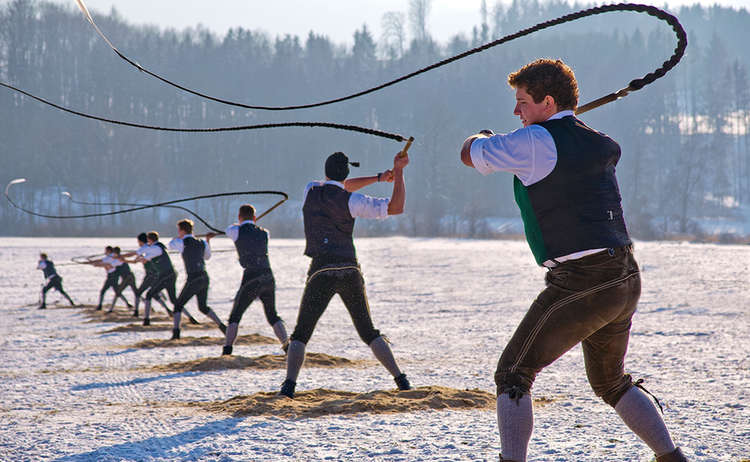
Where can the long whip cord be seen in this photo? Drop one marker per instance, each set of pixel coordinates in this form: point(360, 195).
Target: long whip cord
point(284, 195)
point(634, 85)
point(179, 207)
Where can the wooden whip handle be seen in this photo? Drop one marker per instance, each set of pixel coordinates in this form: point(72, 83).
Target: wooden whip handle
point(406, 148)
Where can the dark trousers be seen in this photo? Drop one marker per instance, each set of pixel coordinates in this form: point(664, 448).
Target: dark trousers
point(256, 284)
point(127, 280)
point(591, 301)
point(322, 285)
point(163, 281)
point(196, 285)
point(111, 282)
point(148, 280)
point(54, 283)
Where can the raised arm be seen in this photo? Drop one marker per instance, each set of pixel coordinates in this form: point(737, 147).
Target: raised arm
point(398, 197)
point(466, 148)
point(354, 184)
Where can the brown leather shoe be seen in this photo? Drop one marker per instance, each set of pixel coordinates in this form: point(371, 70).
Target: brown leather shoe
point(674, 456)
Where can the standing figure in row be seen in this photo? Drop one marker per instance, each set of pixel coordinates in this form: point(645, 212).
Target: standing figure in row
point(251, 242)
point(149, 278)
point(124, 278)
point(52, 279)
point(329, 211)
point(155, 253)
point(194, 252)
point(109, 265)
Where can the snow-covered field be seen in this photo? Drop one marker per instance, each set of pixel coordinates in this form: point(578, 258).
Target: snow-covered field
point(71, 392)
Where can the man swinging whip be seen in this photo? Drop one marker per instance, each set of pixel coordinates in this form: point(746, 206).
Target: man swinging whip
point(566, 188)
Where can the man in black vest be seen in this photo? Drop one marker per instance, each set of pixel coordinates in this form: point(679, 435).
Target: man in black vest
point(150, 277)
point(124, 277)
point(54, 281)
point(165, 278)
point(329, 211)
point(251, 242)
point(106, 262)
point(566, 188)
point(194, 252)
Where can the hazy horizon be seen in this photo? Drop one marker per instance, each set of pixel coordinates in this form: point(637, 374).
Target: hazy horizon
point(297, 17)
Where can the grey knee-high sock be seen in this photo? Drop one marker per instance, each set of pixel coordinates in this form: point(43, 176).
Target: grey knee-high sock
point(382, 351)
point(232, 329)
point(212, 314)
point(294, 359)
point(280, 330)
point(641, 416)
point(147, 309)
point(515, 419)
point(176, 317)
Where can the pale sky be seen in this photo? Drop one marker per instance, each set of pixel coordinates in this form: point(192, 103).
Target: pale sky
point(338, 19)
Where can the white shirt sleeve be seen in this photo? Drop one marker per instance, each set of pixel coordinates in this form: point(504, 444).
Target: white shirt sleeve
point(152, 251)
point(529, 153)
point(206, 250)
point(233, 232)
point(177, 244)
point(364, 206)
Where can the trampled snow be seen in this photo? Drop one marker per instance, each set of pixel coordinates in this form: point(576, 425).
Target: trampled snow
point(74, 393)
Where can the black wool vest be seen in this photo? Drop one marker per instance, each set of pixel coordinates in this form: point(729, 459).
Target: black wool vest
point(192, 255)
point(49, 270)
point(162, 263)
point(252, 247)
point(328, 223)
point(577, 206)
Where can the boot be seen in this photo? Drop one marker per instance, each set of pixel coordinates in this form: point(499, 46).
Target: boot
point(175, 334)
point(505, 460)
point(287, 388)
point(146, 321)
point(402, 382)
point(674, 456)
point(227, 350)
point(43, 307)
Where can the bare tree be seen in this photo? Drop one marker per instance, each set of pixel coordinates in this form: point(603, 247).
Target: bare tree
point(394, 35)
point(419, 10)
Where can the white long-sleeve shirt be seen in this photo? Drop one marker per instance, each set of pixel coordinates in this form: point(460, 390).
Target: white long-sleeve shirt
point(149, 252)
point(360, 205)
point(233, 231)
point(112, 262)
point(179, 245)
point(529, 153)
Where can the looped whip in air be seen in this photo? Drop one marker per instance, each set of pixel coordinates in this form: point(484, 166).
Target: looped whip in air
point(634, 85)
point(284, 198)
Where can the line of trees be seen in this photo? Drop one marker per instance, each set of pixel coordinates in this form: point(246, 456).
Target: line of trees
point(684, 138)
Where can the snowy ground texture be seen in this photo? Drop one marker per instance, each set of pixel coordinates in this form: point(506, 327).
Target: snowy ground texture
point(72, 393)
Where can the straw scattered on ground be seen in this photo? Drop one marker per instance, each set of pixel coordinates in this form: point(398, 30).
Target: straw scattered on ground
point(120, 315)
point(323, 402)
point(160, 327)
point(251, 339)
point(264, 362)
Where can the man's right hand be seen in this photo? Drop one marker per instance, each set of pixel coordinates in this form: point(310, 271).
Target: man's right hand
point(400, 162)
